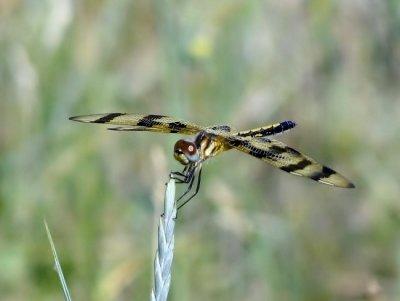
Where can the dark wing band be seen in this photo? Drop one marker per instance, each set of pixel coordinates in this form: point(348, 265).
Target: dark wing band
point(288, 159)
point(268, 130)
point(137, 122)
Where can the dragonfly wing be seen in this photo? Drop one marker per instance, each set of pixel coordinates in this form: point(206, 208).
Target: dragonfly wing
point(288, 159)
point(137, 122)
point(268, 130)
point(130, 128)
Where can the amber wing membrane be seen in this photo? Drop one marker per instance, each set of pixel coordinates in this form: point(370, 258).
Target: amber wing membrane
point(288, 159)
point(137, 122)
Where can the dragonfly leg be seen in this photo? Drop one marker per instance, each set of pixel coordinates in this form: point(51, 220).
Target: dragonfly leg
point(178, 177)
point(184, 176)
point(189, 188)
point(191, 181)
point(177, 173)
point(187, 176)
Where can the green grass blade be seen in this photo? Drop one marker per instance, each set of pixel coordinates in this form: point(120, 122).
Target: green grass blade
point(57, 265)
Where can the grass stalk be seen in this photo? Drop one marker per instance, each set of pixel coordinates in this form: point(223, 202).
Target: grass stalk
point(165, 248)
point(57, 265)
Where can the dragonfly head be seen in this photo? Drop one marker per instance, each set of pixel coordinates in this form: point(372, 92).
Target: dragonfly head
point(186, 152)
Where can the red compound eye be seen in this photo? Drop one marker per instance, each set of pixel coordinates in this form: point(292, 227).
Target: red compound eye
point(185, 147)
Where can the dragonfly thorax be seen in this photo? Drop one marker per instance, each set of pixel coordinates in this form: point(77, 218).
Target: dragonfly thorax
point(186, 152)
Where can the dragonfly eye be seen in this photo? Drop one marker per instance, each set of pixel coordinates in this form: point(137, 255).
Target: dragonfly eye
point(185, 151)
point(185, 147)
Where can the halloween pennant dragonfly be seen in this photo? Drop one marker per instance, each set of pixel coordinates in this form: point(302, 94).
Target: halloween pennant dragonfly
point(207, 142)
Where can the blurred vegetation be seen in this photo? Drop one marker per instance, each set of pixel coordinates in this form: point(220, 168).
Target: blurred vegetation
point(253, 232)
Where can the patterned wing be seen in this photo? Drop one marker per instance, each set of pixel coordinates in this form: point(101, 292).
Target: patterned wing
point(288, 159)
point(268, 130)
point(136, 122)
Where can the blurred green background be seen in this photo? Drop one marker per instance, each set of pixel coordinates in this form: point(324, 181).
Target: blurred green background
point(253, 232)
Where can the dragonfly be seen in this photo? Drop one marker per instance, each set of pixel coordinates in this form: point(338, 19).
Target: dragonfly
point(207, 142)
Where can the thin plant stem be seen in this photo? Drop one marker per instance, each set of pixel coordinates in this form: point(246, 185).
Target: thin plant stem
point(57, 265)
